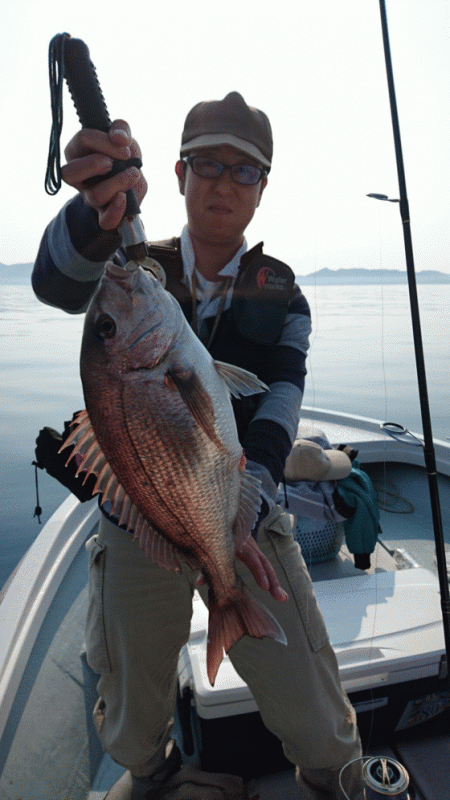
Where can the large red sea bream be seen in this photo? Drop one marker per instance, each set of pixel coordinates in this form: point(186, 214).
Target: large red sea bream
point(159, 432)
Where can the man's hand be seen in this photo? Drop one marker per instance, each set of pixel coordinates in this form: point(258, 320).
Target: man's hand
point(261, 569)
point(90, 154)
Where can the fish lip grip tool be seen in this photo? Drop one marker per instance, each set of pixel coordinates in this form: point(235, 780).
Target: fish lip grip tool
point(69, 58)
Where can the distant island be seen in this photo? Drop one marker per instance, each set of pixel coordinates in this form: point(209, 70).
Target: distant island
point(342, 277)
point(14, 274)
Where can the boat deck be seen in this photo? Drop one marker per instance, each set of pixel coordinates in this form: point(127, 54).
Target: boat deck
point(419, 757)
point(58, 670)
point(49, 748)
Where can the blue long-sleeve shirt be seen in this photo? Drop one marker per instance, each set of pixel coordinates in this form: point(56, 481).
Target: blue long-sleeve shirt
point(67, 270)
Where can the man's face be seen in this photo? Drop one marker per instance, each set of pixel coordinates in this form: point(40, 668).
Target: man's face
point(219, 210)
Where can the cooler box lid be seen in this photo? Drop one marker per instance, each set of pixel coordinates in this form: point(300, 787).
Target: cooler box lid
point(385, 628)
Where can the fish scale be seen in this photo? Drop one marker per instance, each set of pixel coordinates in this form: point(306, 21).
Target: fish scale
point(180, 454)
point(159, 432)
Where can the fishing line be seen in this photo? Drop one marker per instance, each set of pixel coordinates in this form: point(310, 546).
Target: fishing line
point(314, 332)
point(308, 555)
point(383, 360)
point(376, 552)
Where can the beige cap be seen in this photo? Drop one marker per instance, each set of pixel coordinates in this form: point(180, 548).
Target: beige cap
point(308, 461)
point(229, 121)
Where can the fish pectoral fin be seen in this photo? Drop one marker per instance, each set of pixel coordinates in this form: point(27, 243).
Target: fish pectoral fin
point(239, 381)
point(249, 506)
point(196, 399)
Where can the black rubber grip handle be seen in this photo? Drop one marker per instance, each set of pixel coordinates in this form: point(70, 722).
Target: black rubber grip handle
point(84, 87)
point(87, 96)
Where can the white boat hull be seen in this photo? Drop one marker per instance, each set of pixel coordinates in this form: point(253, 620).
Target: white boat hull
point(385, 627)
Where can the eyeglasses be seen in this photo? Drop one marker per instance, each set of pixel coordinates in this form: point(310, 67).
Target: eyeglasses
point(245, 174)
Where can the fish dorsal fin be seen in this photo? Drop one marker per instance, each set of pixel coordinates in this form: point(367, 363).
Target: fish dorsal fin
point(249, 506)
point(239, 381)
point(196, 399)
point(91, 459)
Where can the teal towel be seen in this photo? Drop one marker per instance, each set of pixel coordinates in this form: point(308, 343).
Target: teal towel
point(361, 530)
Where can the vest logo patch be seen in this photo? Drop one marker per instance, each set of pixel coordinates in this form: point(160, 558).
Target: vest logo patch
point(266, 278)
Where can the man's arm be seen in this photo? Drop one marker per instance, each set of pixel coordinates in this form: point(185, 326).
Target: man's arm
point(273, 428)
point(71, 257)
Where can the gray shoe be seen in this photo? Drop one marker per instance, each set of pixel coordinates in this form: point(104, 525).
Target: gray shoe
point(128, 787)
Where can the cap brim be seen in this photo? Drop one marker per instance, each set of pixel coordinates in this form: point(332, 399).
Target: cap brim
point(340, 466)
point(215, 139)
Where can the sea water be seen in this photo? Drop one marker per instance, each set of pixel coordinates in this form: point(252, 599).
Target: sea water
point(361, 362)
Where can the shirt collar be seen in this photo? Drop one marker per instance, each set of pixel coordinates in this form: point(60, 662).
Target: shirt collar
point(188, 257)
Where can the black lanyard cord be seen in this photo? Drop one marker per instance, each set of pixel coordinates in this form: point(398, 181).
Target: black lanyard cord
point(38, 509)
point(56, 79)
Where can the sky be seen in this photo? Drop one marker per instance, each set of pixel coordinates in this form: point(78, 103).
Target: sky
point(316, 68)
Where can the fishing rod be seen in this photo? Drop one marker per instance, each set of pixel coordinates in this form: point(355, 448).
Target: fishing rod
point(428, 446)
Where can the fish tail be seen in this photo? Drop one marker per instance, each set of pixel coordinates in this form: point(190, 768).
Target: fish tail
point(245, 615)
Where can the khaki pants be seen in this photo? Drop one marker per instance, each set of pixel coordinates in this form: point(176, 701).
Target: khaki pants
point(139, 618)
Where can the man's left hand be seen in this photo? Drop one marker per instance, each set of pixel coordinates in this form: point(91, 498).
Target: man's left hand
point(261, 569)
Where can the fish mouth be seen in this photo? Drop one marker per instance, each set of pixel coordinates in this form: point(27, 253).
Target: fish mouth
point(125, 278)
point(115, 271)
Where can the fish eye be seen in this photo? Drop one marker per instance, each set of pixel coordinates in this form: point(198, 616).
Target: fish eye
point(105, 327)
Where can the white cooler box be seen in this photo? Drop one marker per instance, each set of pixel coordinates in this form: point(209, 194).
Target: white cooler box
point(386, 630)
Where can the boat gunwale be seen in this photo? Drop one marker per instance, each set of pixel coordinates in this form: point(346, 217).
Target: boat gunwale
point(32, 588)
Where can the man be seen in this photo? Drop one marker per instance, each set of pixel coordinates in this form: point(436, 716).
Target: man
point(139, 615)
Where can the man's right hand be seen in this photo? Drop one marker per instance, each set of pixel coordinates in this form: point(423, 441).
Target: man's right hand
point(89, 154)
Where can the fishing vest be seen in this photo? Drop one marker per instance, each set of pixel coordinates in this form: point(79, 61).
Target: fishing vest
point(261, 295)
point(248, 330)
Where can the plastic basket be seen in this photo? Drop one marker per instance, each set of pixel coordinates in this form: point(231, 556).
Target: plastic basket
point(318, 543)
